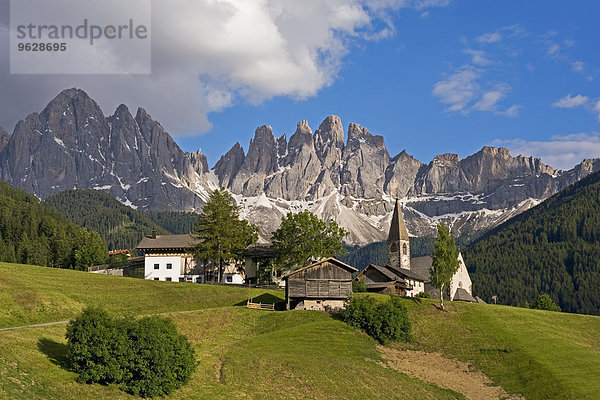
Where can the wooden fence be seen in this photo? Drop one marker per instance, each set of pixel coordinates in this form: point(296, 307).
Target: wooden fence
point(261, 306)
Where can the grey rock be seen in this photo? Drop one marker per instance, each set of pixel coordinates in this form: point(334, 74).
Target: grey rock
point(229, 164)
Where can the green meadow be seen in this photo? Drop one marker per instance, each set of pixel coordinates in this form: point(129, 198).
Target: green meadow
point(254, 354)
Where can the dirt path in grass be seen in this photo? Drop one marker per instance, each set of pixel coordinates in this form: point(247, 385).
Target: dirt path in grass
point(444, 372)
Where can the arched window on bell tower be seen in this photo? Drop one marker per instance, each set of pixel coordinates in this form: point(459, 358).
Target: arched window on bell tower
point(394, 247)
point(404, 249)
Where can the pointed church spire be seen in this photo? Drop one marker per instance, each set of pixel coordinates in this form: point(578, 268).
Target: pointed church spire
point(398, 228)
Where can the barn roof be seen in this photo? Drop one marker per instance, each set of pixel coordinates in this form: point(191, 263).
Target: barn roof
point(330, 259)
point(260, 251)
point(166, 242)
point(383, 270)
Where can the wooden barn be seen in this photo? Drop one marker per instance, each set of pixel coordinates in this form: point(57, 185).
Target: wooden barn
point(323, 285)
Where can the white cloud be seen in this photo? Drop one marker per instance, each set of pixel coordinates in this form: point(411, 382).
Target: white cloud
point(478, 57)
point(209, 55)
point(577, 66)
point(458, 90)
point(571, 101)
point(489, 37)
point(553, 49)
point(562, 152)
point(461, 92)
point(489, 100)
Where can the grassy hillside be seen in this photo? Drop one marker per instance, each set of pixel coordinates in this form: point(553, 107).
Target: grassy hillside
point(553, 248)
point(120, 226)
point(31, 294)
point(297, 354)
point(241, 352)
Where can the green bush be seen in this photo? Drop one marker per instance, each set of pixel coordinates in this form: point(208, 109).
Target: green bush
point(96, 346)
point(146, 356)
point(545, 302)
point(162, 359)
point(423, 295)
point(385, 321)
point(358, 286)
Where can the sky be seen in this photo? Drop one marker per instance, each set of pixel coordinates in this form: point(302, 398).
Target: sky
point(430, 76)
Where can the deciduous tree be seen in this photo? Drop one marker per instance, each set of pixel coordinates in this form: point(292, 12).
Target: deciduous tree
point(445, 260)
point(303, 237)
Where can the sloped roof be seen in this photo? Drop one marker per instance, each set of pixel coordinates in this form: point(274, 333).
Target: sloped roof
point(385, 271)
point(462, 295)
point(332, 260)
point(260, 251)
point(480, 300)
point(421, 265)
point(409, 273)
point(167, 242)
point(397, 228)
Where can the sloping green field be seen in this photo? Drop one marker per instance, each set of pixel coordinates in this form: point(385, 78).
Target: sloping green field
point(255, 354)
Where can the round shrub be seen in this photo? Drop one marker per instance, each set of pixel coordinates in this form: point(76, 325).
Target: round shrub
point(162, 360)
point(545, 302)
point(146, 356)
point(385, 321)
point(96, 346)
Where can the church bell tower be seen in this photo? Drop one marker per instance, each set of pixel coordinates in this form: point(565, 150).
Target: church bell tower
point(398, 242)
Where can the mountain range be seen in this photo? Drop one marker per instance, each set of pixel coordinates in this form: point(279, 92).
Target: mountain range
point(348, 176)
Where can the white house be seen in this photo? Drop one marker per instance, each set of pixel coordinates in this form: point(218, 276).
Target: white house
point(167, 258)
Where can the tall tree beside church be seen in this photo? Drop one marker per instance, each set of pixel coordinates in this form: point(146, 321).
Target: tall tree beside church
point(303, 237)
point(445, 260)
point(222, 235)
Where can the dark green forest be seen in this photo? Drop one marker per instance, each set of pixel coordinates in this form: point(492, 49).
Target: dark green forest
point(35, 233)
point(120, 226)
point(174, 221)
point(553, 248)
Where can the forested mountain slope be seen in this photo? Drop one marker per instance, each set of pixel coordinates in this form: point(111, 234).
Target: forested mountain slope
point(120, 226)
point(552, 248)
point(35, 233)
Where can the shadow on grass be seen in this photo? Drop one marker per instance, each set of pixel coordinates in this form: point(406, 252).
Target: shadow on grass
point(56, 352)
point(266, 298)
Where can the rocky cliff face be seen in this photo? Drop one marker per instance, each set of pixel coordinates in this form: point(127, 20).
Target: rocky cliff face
point(71, 143)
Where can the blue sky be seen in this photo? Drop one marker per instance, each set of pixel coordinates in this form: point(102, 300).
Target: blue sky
point(431, 76)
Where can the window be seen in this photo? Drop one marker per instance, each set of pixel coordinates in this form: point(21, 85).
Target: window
point(168, 279)
point(155, 266)
point(169, 266)
point(181, 279)
point(404, 249)
point(394, 247)
point(229, 279)
point(156, 279)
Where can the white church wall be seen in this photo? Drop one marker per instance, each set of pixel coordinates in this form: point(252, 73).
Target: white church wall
point(461, 279)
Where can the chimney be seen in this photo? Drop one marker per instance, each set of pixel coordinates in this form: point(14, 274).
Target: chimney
point(153, 234)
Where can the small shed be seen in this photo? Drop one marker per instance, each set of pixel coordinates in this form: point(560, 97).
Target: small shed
point(323, 285)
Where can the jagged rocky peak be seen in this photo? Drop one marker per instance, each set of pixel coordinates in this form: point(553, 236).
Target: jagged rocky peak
point(446, 160)
point(4, 137)
point(300, 139)
point(357, 133)
point(329, 140)
point(401, 174)
point(228, 165)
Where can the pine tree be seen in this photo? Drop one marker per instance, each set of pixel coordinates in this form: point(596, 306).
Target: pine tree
point(221, 235)
point(445, 260)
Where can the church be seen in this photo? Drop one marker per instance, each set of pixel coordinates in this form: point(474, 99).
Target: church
point(406, 276)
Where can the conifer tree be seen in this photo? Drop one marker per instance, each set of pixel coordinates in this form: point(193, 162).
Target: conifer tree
point(221, 235)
